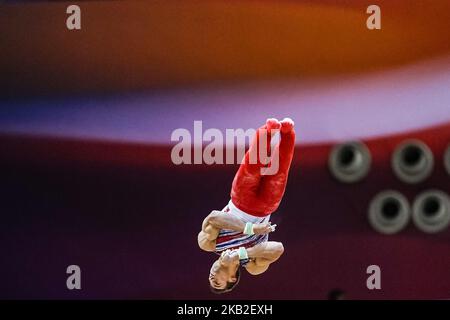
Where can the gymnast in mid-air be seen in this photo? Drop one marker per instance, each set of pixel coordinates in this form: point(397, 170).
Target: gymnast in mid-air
point(239, 233)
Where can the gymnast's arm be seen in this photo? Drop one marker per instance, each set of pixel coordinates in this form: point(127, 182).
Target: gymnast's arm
point(262, 255)
point(211, 226)
point(218, 220)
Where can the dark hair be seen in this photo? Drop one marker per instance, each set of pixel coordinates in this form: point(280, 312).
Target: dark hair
point(230, 285)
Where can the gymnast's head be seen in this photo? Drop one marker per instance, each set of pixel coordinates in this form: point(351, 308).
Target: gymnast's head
point(224, 275)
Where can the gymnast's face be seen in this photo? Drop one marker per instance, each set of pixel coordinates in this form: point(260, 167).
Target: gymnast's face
point(221, 275)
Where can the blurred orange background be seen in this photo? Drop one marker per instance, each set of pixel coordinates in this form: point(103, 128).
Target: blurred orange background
point(134, 45)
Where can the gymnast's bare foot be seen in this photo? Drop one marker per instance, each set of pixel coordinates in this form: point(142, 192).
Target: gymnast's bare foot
point(272, 124)
point(287, 124)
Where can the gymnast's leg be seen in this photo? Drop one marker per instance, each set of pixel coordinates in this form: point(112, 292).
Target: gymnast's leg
point(273, 186)
point(246, 182)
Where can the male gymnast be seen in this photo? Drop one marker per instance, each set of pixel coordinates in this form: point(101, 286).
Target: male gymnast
point(240, 232)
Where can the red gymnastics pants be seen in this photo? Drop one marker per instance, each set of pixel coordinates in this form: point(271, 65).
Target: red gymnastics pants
point(257, 194)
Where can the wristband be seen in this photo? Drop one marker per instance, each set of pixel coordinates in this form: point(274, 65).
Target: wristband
point(242, 253)
point(243, 257)
point(248, 230)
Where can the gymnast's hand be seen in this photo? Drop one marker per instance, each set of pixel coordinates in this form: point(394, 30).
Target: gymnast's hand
point(263, 228)
point(229, 257)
